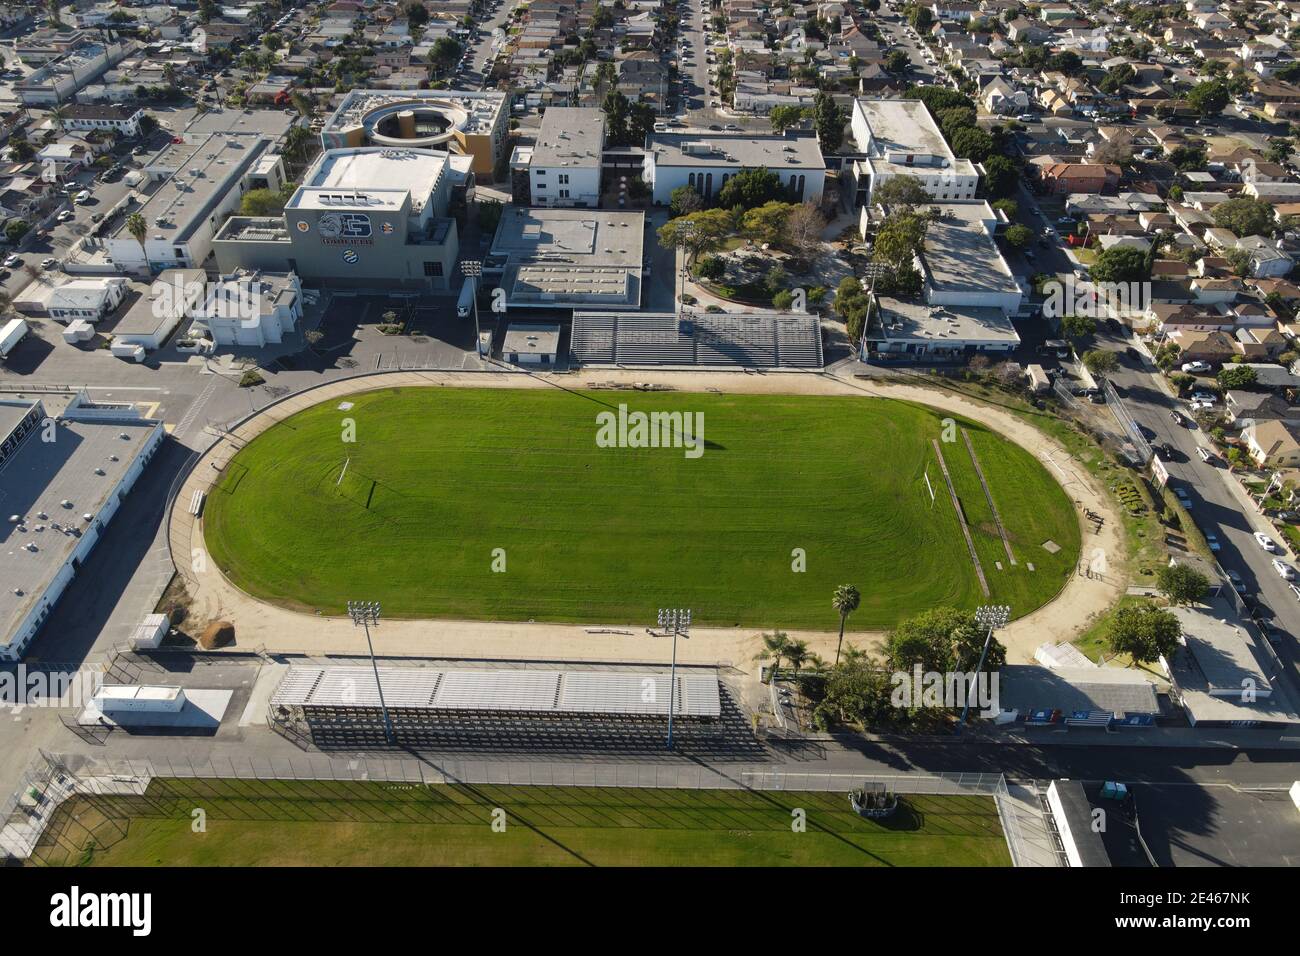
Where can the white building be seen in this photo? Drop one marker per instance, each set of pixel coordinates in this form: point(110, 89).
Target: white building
point(900, 138)
point(59, 80)
point(564, 169)
point(88, 299)
point(123, 120)
point(201, 183)
point(65, 476)
point(251, 309)
point(705, 160)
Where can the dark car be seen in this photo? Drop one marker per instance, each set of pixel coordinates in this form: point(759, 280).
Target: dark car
point(1133, 353)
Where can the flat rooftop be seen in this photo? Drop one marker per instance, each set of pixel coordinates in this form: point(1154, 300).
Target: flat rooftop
point(481, 108)
point(35, 481)
point(371, 176)
point(521, 691)
point(570, 137)
point(274, 124)
point(1029, 687)
point(531, 338)
point(901, 128)
point(562, 256)
point(702, 148)
point(1221, 648)
point(204, 172)
point(960, 255)
point(942, 326)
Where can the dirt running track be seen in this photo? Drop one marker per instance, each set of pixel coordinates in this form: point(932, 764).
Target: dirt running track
point(277, 630)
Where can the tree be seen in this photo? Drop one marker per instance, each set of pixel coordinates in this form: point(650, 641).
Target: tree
point(262, 202)
point(751, 188)
point(971, 142)
point(444, 54)
point(273, 41)
point(699, 232)
point(1100, 362)
point(1182, 584)
point(489, 215)
point(899, 239)
point(1244, 216)
point(898, 62)
point(1008, 207)
point(1075, 327)
point(784, 117)
point(901, 190)
point(1144, 632)
point(1236, 376)
point(685, 200)
point(1002, 177)
point(1067, 62)
point(1120, 264)
point(207, 10)
point(845, 600)
point(828, 119)
point(1019, 236)
point(139, 230)
point(295, 144)
point(766, 223)
point(1189, 158)
point(15, 229)
point(921, 19)
point(1209, 98)
point(803, 230)
point(775, 647)
point(942, 639)
point(416, 14)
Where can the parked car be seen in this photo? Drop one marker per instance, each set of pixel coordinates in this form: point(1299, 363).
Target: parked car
point(1284, 570)
point(1184, 498)
point(1296, 591)
point(49, 263)
point(1237, 583)
point(1207, 456)
point(1213, 541)
point(66, 215)
point(1208, 398)
point(1196, 367)
point(12, 261)
point(83, 196)
point(1265, 542)
point(1174, 417)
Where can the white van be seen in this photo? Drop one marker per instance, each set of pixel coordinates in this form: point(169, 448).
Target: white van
point(465, 304)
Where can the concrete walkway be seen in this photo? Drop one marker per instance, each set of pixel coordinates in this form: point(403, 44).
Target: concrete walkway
point(278, 630)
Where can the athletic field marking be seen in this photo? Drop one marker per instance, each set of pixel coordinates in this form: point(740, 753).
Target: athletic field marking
point(997, 518)
point(961, 517)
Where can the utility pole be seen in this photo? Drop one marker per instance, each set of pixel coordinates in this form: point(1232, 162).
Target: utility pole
point(993, 617)
point(677, 620)
point(472, 269)
point(366, 613)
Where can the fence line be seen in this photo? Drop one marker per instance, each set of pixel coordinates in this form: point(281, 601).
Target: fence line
point(56, 777)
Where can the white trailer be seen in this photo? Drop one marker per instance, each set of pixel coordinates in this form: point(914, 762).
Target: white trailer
point(13, 332)
point(78, 331)
point(128, 350)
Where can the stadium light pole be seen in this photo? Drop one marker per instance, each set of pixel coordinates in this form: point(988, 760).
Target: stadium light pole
point(678, 620)
point(472, 269)
point(992, 617)
point(366, 613)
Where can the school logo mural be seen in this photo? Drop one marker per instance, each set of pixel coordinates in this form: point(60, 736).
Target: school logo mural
point(344, 226)
point(350, 256)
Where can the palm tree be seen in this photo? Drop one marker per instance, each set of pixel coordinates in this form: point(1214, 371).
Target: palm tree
point(139, 229)
point(775, 646)
point(797, 654)
point(57, 115)
point(845, 600)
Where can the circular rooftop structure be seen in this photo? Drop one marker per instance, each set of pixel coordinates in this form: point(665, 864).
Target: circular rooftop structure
point(415, 123)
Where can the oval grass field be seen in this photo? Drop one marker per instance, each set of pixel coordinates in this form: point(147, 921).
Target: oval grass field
point(442, 485)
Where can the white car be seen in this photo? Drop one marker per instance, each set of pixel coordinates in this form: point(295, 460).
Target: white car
point(1194, 367)
point(1284, 570)
point(83, 196)
point(12, 261)
point(1296, 591)
point(66, 215)
point(49, 263)
point(1209, 398)
point(1201, 406)
point(1265, 542)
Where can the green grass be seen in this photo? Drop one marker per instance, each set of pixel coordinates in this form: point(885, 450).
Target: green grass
point(330, 823)
point(438, 478)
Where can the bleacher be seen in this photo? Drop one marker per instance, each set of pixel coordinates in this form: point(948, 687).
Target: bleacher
point(728, 340)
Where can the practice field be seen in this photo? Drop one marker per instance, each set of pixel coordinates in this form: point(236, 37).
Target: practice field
point(332, 823)
point(443, 488)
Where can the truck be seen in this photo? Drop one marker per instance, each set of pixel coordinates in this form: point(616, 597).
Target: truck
point(465, 304)
point(13, 332)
